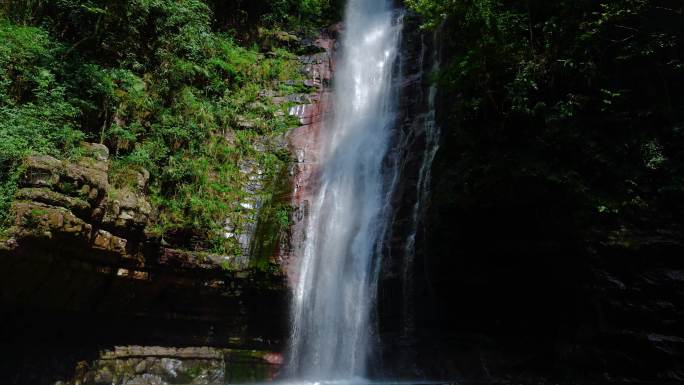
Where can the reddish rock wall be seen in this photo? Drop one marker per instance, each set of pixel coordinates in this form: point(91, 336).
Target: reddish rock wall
point(304, 141)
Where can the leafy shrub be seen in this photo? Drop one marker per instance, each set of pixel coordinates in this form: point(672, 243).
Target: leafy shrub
point(35, 114)
point(160, 82)
point(573, 99)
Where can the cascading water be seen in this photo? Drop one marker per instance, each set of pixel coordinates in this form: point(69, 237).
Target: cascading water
point(335, 293)
point(431, 132)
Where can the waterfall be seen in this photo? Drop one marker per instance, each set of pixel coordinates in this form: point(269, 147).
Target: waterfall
point(334, 297)
point(427, 123)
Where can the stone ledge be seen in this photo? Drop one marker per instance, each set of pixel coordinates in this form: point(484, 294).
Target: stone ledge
point(204, 353)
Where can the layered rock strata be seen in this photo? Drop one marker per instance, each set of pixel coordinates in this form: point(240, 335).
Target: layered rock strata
point(188, 366)
point(80, 273)
point(304, 141)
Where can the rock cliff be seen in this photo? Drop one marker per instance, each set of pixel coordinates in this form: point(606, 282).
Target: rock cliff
point(90, 294)
point(78, 271)
point(304, 140)
point(511, 280)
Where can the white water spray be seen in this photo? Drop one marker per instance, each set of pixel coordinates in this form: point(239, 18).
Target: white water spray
point(335, 294)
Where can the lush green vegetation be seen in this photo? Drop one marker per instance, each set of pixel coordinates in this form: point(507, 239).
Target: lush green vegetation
point(579, 101)
point(34, 115)
point(566, 115)
point(173, 86)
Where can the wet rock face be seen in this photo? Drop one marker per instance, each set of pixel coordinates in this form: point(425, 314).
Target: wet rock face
point(399, 298)
point(313, 110)
point(506, 288)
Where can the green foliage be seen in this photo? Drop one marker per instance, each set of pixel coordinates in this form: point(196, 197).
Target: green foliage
point(35, 116)
point(295, 10)
point(486, 14)
point(433, 12)
point(577, 100)
point(244, 18)
point(162, 83)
